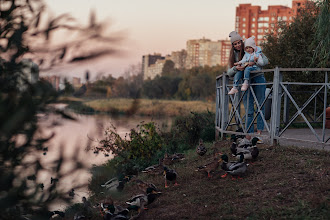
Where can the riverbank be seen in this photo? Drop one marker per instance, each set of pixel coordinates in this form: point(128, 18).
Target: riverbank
point(286, 182)
point(144, 107)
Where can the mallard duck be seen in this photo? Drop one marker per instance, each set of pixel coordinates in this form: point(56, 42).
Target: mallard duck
point(143, 186)
point(170, 175)
point(249, 153)
point(157, 169)
point(210, 167)
point(201, 149)
point(170, 159)
point(112, 211)
point(116, 183)
point(235, 168)
point(140, 201)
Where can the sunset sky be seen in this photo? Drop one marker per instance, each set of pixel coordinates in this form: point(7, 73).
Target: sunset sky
point(154, 25)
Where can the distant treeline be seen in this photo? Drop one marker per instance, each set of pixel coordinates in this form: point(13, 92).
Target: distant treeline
point(183, 84)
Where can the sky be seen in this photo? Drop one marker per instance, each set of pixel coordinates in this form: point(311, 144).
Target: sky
point(153, 26)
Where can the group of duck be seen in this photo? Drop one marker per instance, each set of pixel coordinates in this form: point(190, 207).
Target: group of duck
point(243, 150)
point(150, 193)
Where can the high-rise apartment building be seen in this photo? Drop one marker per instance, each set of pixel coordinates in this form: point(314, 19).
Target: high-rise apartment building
point(204, 52)
point(252, 21)
point(147, 61)
point(179, 58)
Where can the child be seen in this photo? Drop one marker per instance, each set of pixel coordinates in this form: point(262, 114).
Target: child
point(252, 54)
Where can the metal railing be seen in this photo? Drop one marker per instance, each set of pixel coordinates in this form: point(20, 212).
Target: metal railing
point(287, 105)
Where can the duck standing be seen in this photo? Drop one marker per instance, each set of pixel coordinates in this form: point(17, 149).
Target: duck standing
point(210, 167)
point(170, 175)
point(201, 149)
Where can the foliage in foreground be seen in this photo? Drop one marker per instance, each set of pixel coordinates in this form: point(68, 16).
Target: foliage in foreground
point(145, 145)
point(23, 143)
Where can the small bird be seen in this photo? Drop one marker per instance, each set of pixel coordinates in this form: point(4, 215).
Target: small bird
point(212, 166)
point(201, 149)
point(170, 175)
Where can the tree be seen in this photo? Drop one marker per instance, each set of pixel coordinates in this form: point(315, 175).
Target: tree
point(290, 47)
point(321, 42)
point(21, 34)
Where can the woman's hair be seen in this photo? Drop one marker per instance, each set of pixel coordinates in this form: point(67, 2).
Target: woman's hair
point(232, 55)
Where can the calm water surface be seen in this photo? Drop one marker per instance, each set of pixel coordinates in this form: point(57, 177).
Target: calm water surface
point(71, 140)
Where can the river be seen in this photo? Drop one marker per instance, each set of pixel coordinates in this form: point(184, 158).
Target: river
point(71, 140)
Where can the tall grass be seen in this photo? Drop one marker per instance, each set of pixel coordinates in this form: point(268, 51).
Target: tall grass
point(151, 107)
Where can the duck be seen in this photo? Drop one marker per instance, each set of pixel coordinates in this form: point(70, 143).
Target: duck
point(141, 201)
point(235, 168)
point(170, 175)
point(116, 183)
point(157, 169)
point(249, 153)
point(112, 211)
point(243, 145)
point(210, 167)
point(143, 186)
point(201, 149)
point(170, 159)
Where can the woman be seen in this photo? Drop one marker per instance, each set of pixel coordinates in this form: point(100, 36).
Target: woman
point(236, 54)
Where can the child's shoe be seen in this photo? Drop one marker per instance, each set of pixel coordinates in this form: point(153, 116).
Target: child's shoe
point(233, 91)
point(245, 86)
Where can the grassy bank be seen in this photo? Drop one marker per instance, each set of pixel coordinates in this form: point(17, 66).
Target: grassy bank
point(150, 107)
point(284, 183)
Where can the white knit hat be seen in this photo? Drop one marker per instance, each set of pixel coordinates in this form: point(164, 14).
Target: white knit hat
point(250, 43)
point(234, 36)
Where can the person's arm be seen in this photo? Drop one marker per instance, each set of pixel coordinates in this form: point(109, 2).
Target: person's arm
point(263, 60)
point(232, 71)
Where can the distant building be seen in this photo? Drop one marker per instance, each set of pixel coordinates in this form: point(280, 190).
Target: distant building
point(76, 81)
point(224, 52)
point(54, 81)
point(252, 21)
point(204, 52)
point(147, 61)
point(179, 58)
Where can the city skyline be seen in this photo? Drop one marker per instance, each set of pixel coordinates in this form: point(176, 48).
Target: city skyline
point(154, 26)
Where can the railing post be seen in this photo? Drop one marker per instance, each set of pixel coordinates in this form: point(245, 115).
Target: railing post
point(224, 105)
point(276, 107)
point(217, 107)
point(325, 105)
point(286, 106)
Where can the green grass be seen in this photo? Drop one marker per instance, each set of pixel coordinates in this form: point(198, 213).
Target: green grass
point(149, 107)
point(284, 183)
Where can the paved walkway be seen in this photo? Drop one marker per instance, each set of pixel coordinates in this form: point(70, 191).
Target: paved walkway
point(305, 136)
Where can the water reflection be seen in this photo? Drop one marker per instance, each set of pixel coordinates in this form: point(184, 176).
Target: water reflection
point(72, 138)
